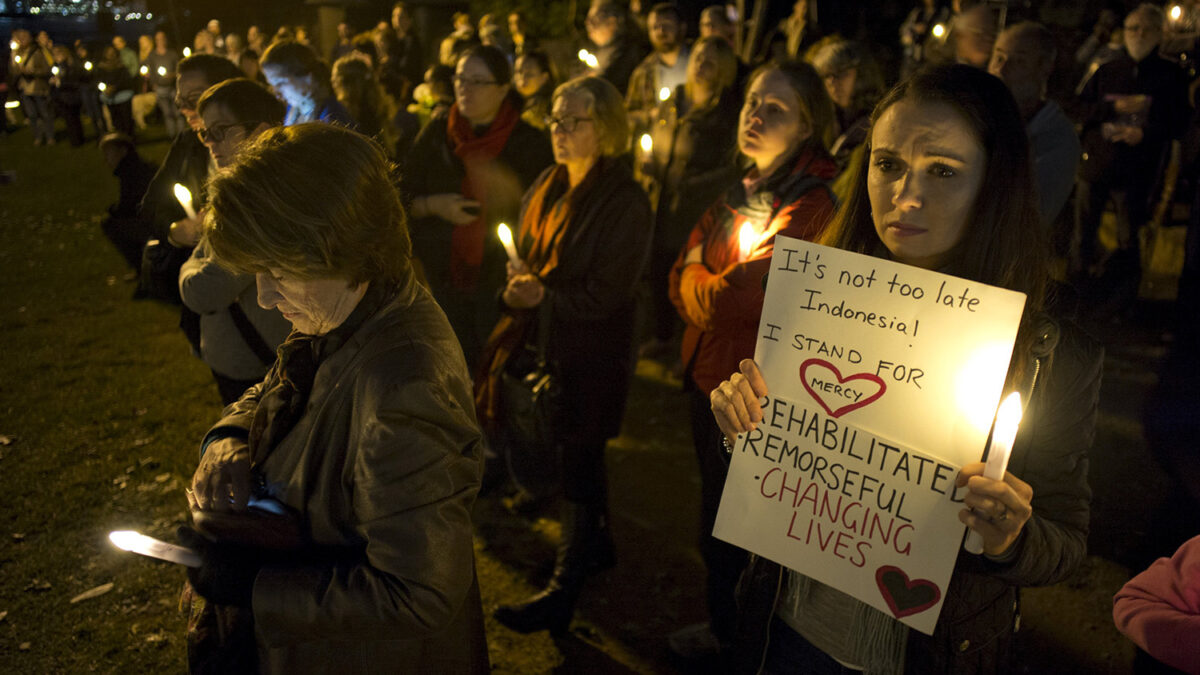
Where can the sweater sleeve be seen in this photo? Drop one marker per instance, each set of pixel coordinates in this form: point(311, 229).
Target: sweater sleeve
point(206, 287)
point(1159, 609)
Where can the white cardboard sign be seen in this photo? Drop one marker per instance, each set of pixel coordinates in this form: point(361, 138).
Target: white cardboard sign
point(884, 380)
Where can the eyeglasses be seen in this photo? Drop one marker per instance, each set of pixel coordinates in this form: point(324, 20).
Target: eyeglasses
point(188, 103)
point(217, 133)
point(472, 83)
point(567, 124)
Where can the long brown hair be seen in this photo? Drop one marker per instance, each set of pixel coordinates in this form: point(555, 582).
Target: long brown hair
point(1004, 243)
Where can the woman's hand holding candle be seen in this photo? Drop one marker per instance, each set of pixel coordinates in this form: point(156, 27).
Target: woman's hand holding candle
point(998, 509)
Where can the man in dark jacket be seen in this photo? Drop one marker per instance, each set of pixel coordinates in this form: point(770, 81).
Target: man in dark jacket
point(123, 227)
point(1131, 110)
point(187, 161)
point(617, 50)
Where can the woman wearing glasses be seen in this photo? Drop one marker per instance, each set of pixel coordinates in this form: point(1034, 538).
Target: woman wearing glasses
point(584, 238)
point(464, 175)
point(238, 338)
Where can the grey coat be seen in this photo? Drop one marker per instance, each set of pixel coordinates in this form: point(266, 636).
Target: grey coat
point(384, 465)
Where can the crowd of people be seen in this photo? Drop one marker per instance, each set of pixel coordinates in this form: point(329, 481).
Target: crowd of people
point(371, 332)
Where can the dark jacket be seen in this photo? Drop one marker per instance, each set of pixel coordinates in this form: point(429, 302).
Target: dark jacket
point(618, 59)
point(591, 299)
point(702, 165)
point(981, 610)
point(1166, 120)
point(384, 466)
point(433, 168)
point(133, 176)
point(186, 163)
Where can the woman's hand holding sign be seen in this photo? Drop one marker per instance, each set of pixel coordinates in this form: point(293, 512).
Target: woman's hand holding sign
point(735, 402)
point(998, 509)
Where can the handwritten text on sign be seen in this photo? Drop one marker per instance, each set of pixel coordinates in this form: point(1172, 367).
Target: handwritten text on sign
point(911, 355)
point(845, 507)
point(883, 381)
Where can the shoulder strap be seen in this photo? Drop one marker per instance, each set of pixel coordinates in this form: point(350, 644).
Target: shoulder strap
point(250, 334)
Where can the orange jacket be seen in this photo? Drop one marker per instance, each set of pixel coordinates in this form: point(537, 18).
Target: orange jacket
point(721, 300)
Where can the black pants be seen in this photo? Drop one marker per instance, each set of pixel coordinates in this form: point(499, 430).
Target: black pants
point(70, 112)
point(584, 476)
point(725, 562)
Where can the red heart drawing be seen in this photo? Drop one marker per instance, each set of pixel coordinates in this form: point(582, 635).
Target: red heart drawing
point(903, 596)
point(841, 380)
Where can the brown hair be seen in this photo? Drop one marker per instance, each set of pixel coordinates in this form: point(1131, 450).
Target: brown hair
point(816, 108)
point(313, 200)
point(1003, 243)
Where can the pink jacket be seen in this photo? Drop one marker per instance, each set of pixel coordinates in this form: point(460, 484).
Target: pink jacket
point(1159, 609)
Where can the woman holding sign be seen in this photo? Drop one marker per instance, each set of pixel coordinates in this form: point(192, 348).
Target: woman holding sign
point(716, 285)
point(945, 185)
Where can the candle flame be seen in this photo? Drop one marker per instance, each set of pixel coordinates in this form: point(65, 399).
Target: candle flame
point(747, 238)
point(976, 405)
point(505, 234)
point(187, 51)
point(939, 30)
point(1176, 12)
point(144, 70)
point(664, 93)
point(102, 86)
point(12, 104)
point(126, 540)
point(646, 142)
point(13, 45)
point(588, 58)
point(162, 71)
point(54, 70)
point(184, 196)
point(1008, 418)
point(87, 65)
point(17, 59)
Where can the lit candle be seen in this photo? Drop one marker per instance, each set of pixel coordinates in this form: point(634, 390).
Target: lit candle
point(162, 71)
point(136, 542)
point(664, 93)
point(589, 59)
point(185, 199)
point(87, 65)
point(54, 71)
point(1176, 12)
point(17, 58)
point(12, 105)
point(506, 238)
point(13, 45)
point(646, 143)
point(187, 51)
point(145, 70)
point(102, 86)
point(939, 30)
point(1008, 418)
point(747, 238)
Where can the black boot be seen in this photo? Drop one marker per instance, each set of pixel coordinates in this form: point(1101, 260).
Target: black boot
point(585, 549)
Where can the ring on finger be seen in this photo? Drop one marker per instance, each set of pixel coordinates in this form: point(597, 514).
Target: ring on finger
point(1002, 516)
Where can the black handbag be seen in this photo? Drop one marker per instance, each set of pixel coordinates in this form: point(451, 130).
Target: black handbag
point(530, 406)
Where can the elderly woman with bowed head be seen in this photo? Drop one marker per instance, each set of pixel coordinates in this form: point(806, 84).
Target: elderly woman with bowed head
point(363, 430)
point(466, 173)
point(716, 286)
point(583, 240)
point(945, 184)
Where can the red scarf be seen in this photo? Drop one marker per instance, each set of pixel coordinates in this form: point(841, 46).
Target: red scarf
point(477, 154)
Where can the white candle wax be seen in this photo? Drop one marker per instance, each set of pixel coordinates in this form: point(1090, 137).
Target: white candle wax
point(136, 542)
point(184, 196)
point(506, 238)
point(1007, 420)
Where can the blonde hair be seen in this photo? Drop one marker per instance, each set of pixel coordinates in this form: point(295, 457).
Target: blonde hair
point(607, 108)
point(314, 201)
